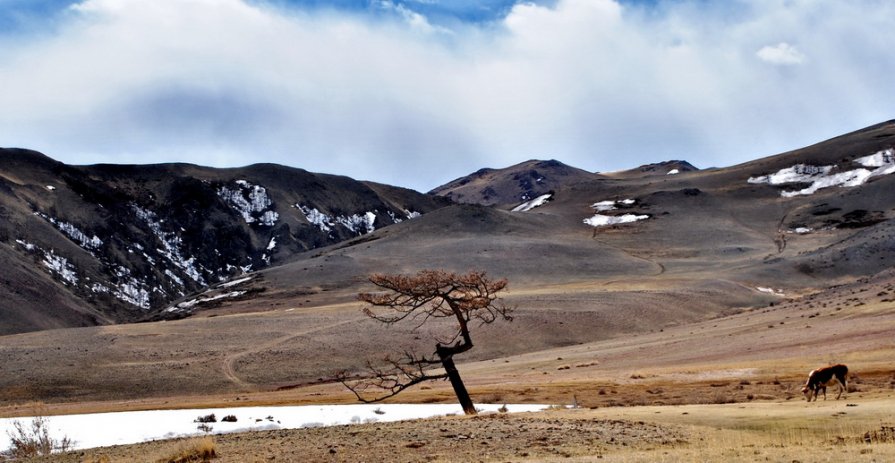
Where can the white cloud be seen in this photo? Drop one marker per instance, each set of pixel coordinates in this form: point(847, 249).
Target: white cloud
point(395, 99)
point(782, 53)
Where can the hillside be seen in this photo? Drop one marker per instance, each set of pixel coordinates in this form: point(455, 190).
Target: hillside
point(118, 243)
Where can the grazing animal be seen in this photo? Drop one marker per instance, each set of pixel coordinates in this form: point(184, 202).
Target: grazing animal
point(819, 379)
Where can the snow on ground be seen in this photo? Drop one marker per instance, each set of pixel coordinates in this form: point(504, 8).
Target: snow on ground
point(801, 230)
point(776, 292)
point(412, 214)
point(600, 220)
point(537, 202)
point(673, 172)
point(272, 244)
point(819, 177)
point(250, 201)
point(51, 188)
point(201, 300)
point(105, 429)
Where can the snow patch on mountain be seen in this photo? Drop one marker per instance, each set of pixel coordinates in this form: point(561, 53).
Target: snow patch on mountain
point(819, 177)
point(849, 178)
point(75, 234)
point(187, 305)
point(130, 289)
point(611, 205)
point(315, 217)
point(600, 220)
point(132, 293)
point(171, 244)
point(230, 284)
point(356, 223)
point(173, 276)
point(28, 246)
point(884, 158)
point(99, 288)
point(60, 266)
point(776, 292)
point(251, 201)
point(537, 202)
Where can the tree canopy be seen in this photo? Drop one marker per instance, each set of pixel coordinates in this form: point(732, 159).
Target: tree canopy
point(463, 299)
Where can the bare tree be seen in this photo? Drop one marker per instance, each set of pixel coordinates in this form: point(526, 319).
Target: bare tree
point(428, 295)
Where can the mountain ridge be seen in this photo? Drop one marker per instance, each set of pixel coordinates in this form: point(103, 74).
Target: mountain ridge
point(129, 239)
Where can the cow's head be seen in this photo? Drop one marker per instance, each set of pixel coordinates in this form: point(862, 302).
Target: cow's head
point(807, 391)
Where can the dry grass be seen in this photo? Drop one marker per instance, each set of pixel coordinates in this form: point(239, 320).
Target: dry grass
point(191, 450)
point(853, 430)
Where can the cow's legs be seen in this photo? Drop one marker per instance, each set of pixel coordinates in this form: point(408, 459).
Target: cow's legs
point(843, 386)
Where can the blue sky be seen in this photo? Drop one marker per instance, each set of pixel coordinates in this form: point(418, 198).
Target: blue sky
point(418, 92)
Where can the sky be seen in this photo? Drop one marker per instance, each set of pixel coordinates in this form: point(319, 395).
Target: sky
point(416, 93)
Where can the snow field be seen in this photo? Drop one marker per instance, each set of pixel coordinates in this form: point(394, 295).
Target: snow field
point(105, 429)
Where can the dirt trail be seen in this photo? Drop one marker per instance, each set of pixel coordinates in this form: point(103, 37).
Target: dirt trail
point(230, 360)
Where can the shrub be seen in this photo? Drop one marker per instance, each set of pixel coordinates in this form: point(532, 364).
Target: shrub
point(193, 450)
point(205, 427)
point(229, 419)
point(206, 419)
point(34, 440)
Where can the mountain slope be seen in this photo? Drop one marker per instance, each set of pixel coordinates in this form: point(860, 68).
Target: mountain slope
point(513, 185)
point(705, 226)
point(121, 242)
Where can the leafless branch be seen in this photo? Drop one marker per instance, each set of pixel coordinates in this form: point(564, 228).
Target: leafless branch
point(419, 298)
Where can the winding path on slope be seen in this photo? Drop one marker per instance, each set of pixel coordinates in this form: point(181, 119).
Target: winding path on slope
point(661, 267)
point(230, 360)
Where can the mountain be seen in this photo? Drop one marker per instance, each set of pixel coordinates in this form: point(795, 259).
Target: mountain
point(756, 250)
point(512, 186)
point(803, 219)
point(85, 245)
point(655, 169)
point(98, 244)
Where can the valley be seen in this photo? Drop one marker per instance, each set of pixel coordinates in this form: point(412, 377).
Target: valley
point(703, 294)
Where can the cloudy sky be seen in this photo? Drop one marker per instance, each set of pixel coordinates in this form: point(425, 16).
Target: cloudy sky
point(418, 92)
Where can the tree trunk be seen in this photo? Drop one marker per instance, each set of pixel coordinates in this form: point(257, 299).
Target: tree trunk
point(447, 361)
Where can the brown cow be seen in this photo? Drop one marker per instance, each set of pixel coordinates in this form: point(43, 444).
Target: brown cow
point(819, 379)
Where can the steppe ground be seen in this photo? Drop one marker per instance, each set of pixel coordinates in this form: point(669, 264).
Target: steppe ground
point(722, 389)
